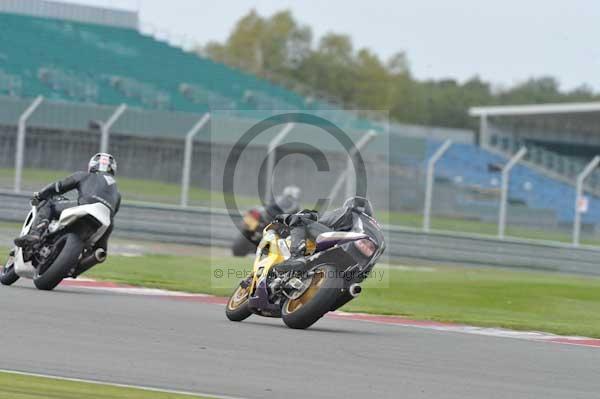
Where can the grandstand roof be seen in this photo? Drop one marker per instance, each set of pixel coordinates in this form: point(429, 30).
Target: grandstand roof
point(72, 12)
point(535, 109)
point(562, 118)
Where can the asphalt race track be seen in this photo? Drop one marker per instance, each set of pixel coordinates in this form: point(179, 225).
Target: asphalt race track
point(189, 346)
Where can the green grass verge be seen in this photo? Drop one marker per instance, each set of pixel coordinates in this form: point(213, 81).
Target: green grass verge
point(16, 227)
point(132, 189)
point(15, 386)
point(442, 223)
point(557, 303)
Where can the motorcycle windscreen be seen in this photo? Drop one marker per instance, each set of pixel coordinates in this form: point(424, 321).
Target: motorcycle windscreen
point(371, 227)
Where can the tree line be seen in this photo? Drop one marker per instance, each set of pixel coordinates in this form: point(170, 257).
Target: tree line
point(281, 49)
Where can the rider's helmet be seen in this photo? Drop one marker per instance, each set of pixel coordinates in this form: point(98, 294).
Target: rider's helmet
point(102, 162)
point(289, 200)
point(292, 192)
point(359, 204)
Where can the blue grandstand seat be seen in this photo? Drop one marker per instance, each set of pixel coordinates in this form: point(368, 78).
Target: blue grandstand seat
point(538, 191)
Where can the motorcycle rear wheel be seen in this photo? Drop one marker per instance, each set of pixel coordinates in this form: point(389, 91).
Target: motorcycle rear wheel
point(8, 276)
point(315, 302)
point(237, 307)
point(65, 261)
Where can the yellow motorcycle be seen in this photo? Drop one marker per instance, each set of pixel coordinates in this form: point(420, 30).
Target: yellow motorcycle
point(340, 261)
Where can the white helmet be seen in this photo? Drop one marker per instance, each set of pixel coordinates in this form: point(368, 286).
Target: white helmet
point(292, 192)
point(102, 162)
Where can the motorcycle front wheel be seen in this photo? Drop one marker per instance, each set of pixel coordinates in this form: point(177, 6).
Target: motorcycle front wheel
point(237, 307)
point(8, 276)
point(69, 248)
point(323, 291)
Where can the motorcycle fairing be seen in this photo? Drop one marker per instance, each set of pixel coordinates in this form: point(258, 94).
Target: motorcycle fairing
point(278, 252)
point(22, 268)
point(251, 223)
point(98, 211)
point(332, 238)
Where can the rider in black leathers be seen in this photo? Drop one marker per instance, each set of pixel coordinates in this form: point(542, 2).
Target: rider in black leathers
point(287, 202)
point(96, 185)
point(306, 225)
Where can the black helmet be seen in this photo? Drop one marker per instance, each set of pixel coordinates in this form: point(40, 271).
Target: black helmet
point(359, 204)
point(102, 162)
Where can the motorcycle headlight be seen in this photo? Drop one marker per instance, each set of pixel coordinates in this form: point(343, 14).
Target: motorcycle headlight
point(365, 247)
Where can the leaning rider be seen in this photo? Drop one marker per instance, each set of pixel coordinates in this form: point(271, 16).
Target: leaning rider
point(97, 185)
point(287, 202)
point(306, 226)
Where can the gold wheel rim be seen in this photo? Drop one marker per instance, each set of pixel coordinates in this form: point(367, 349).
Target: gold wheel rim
point(238, 298)
point(293, 305)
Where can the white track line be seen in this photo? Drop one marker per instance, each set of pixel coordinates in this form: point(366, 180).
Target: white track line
point(129, 290)
point(111, 384)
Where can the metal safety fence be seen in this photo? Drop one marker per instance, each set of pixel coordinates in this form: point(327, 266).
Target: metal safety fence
point(179, 158)
point(216, 227)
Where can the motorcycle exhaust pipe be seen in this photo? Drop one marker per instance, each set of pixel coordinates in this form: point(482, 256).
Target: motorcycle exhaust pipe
point(92, 260)
point(355, 290)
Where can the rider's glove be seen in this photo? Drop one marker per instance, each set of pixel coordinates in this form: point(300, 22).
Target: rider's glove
point(281, 218)
point(35, 199)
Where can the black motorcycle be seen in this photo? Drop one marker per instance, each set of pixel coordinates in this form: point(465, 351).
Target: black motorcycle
point(331, 278)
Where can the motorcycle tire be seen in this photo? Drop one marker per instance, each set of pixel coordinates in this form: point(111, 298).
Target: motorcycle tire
point(65, 261)
point(8, 276)
point(237, 308)
point(342, 299)
point(316, 301)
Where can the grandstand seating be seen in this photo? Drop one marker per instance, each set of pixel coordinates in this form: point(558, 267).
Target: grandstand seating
point(568, 166)
point(108, 65)
point(467, 165)
point(10, 84)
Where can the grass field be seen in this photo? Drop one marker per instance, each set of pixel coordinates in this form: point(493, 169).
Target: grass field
point(16, 227)
point(441, 223)
point(14, 386)
point(169, 193)
point(132, 189)
point(556, 303)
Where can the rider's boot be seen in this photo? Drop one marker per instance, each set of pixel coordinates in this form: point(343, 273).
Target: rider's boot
point(292, 264)
point(34, 235)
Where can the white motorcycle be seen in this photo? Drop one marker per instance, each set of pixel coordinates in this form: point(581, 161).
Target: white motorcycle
point(66, 248)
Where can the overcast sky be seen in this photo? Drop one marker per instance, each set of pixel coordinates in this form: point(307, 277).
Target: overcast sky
point(504, 41)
